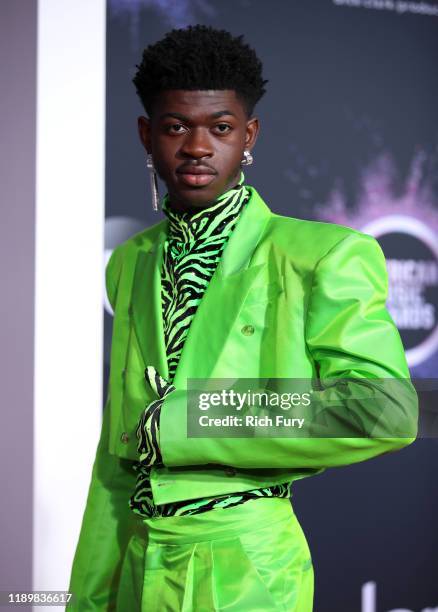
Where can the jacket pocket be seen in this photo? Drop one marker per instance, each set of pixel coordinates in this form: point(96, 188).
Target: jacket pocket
point(263, 294)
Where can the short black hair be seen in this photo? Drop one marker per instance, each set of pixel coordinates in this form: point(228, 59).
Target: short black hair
point(200, 58)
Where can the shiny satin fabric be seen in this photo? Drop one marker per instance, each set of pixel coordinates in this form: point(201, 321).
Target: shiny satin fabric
point(314, 294)
point(250, 558)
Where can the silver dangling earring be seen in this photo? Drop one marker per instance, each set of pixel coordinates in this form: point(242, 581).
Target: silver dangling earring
point(154, 182)
point(247, 158)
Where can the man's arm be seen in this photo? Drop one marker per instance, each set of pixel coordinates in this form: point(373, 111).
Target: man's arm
point(107, 520)
point(350, 335)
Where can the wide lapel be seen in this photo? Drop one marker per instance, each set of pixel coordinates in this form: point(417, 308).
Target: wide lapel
point(224, 295)
point(146, 304)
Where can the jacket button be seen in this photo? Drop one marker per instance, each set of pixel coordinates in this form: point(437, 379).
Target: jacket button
point(124, 438)
point(247, 330)
point(230, 471)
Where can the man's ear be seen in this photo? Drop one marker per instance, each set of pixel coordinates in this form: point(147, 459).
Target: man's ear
point(144, 131)
point(252, 130)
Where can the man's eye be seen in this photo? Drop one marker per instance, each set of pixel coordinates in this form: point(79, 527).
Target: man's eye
point(227, 127)
point(171, 128)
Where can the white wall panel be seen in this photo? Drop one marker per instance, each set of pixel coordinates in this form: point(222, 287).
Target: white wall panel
point(69, 287)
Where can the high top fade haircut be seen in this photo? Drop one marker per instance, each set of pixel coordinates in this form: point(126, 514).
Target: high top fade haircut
point(200, 58)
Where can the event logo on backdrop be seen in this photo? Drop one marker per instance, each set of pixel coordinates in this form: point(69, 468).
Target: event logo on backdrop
point(406, 226)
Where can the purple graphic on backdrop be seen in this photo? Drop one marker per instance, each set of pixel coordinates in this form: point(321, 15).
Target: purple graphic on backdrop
point(405, 221)
point(378, 195)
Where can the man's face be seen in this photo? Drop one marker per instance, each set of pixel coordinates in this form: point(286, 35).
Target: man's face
point(197, 139)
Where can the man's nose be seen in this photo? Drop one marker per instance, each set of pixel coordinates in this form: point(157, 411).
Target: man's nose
point(197, 144)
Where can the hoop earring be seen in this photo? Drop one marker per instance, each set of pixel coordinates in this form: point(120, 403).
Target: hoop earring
point(247, 158)
point(154, 182)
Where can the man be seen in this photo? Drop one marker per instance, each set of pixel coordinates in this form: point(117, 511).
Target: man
point(222, 288)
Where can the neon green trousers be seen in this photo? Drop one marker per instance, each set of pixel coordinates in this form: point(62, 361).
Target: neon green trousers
point(248, 558)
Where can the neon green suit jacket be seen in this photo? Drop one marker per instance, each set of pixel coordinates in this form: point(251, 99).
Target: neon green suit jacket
point(314, 294)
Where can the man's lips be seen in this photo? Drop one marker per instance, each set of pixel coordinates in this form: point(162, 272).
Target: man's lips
point(195, 170)
point(196, 175)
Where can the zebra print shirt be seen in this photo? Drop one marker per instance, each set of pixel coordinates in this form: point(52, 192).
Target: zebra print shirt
point(191, 253)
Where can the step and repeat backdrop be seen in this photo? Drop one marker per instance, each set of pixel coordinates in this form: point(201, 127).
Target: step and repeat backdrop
point(349, 134)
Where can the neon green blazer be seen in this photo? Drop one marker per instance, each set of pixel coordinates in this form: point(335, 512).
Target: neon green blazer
point(314, 294)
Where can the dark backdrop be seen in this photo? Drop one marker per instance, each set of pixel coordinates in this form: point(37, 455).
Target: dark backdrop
point(350, 135)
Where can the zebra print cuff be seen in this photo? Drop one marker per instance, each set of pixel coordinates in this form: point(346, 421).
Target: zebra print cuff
point(148, 435)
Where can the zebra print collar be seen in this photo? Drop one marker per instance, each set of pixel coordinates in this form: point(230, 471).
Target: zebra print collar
point(218, 218)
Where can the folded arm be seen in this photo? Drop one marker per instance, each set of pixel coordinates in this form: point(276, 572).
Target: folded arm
point(351, 338)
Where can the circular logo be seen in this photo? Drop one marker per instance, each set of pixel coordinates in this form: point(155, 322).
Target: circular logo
point(411, 252)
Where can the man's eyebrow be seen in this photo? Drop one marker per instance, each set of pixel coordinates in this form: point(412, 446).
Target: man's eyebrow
point(184, 118)
point(222, 113)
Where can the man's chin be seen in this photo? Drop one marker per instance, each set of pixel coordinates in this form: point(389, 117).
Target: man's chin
point(193, 198)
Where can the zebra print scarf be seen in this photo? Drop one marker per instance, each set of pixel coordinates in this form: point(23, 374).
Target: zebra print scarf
point(191, 253)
